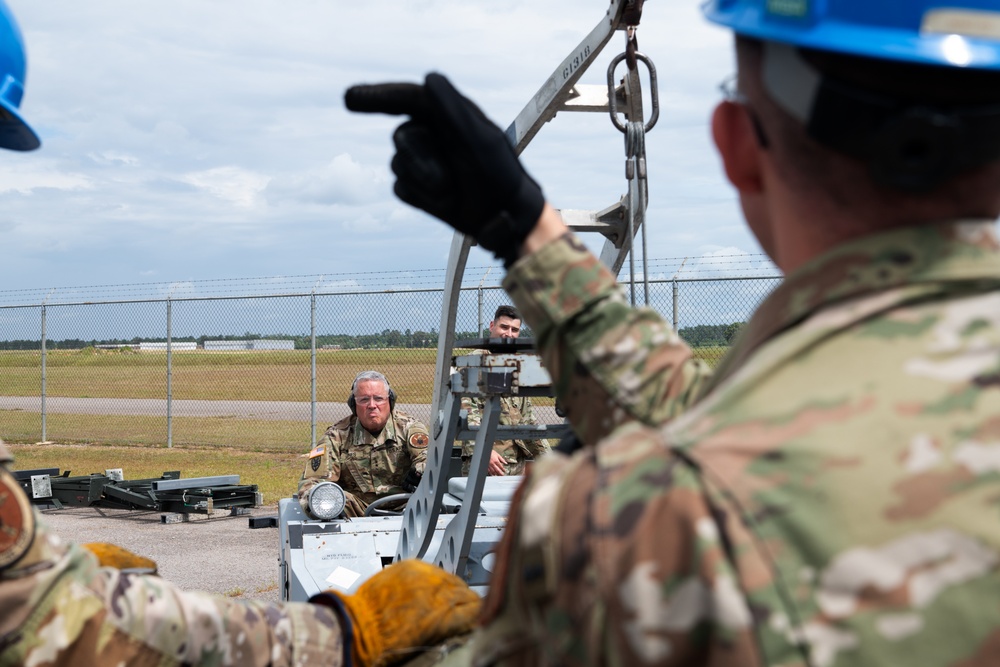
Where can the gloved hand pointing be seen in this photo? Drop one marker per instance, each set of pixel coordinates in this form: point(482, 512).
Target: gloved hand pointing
point(454, 163)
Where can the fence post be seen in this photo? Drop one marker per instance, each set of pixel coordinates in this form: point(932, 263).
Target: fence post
point(675, 304)
point(44, 432)
point(170, 369)
point(312, 355)
point(479, 331)
point(676, 319)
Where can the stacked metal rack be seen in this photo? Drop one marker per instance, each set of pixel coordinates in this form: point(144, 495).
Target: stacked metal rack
point(167, 493)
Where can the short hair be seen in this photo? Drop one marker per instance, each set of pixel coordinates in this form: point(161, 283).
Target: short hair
point(506, 311)
point(367, 376)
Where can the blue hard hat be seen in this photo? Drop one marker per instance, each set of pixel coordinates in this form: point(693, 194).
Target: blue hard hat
point(14, 132)
point(957, 33)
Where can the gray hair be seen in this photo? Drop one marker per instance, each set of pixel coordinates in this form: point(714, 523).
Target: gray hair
point(364, 376)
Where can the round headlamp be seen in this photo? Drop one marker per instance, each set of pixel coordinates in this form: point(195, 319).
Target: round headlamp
point(326, 501)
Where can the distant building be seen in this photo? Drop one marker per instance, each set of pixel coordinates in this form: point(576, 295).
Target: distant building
point(258, 344)
point(162, 347)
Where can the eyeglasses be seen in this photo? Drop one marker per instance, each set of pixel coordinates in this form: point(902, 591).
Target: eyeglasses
point(377, 400)
point(730, 89)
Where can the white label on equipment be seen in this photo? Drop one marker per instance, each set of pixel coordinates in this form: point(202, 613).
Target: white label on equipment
point(342, 577)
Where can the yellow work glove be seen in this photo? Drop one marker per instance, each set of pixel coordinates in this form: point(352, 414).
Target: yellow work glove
point(110, 555)
point(406, 608)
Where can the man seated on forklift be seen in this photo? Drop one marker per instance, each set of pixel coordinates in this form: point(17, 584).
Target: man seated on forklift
point(509, 457)
point(376, 451)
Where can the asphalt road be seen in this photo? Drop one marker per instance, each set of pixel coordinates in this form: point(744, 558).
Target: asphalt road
point(220, 554)
point(326, 413)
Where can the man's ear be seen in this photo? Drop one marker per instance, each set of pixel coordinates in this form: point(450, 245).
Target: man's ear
point(738, 146)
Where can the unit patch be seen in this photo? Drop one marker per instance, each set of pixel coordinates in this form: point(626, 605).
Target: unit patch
point(418, 440)
point(17, 521)
point(315, 455)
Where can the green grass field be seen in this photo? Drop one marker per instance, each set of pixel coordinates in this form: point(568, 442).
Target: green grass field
point(281, 375)
point(248, 376)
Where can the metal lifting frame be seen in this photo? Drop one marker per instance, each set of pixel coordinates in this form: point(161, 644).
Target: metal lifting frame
point(490, 376)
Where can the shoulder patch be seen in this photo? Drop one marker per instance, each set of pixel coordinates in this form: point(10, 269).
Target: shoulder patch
point(17, 520)
point(419, 440)
point(319, 450)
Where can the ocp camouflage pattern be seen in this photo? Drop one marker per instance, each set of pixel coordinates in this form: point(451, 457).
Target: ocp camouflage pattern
point(514, 411)
point(832, 499)
point(608, 366)
point(61, 609)
point(366, 466)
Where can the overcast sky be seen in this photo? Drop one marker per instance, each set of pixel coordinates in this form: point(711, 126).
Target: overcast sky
point(203, 139)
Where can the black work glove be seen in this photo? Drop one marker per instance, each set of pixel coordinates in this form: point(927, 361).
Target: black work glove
point(454, 163)
point(411, 481)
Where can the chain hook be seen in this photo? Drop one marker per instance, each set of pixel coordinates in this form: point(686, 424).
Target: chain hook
point(653, 93)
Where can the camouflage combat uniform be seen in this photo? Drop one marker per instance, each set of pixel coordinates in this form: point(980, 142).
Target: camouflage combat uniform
point(831, 499)
point(60, 608)
point(514, 411)
point(365, 466)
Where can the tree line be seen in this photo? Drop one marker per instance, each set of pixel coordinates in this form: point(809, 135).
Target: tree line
point(702, 335)
point(710, 335)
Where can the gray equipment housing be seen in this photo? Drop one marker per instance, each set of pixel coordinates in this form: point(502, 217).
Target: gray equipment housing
point(342, 554)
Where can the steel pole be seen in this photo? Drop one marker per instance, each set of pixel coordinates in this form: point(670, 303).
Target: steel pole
point(44, 425)
point(312, 355)
point(675, 305)
point(479, 331)
point(170, 390)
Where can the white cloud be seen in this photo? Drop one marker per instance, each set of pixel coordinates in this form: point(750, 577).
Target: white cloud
point(40, 175)
point(232, 184)
point(342, 181)
point(365, 225)
point(114, 158)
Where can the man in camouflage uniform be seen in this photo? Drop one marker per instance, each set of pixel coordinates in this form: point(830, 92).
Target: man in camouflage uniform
point(830, 496)
point(509, 457)
point(374, 452)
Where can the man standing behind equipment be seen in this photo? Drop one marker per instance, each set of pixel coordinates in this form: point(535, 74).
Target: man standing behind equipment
point(375, 452)
point(508, 457)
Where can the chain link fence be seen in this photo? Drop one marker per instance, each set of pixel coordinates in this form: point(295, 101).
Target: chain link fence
point(265, 373)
